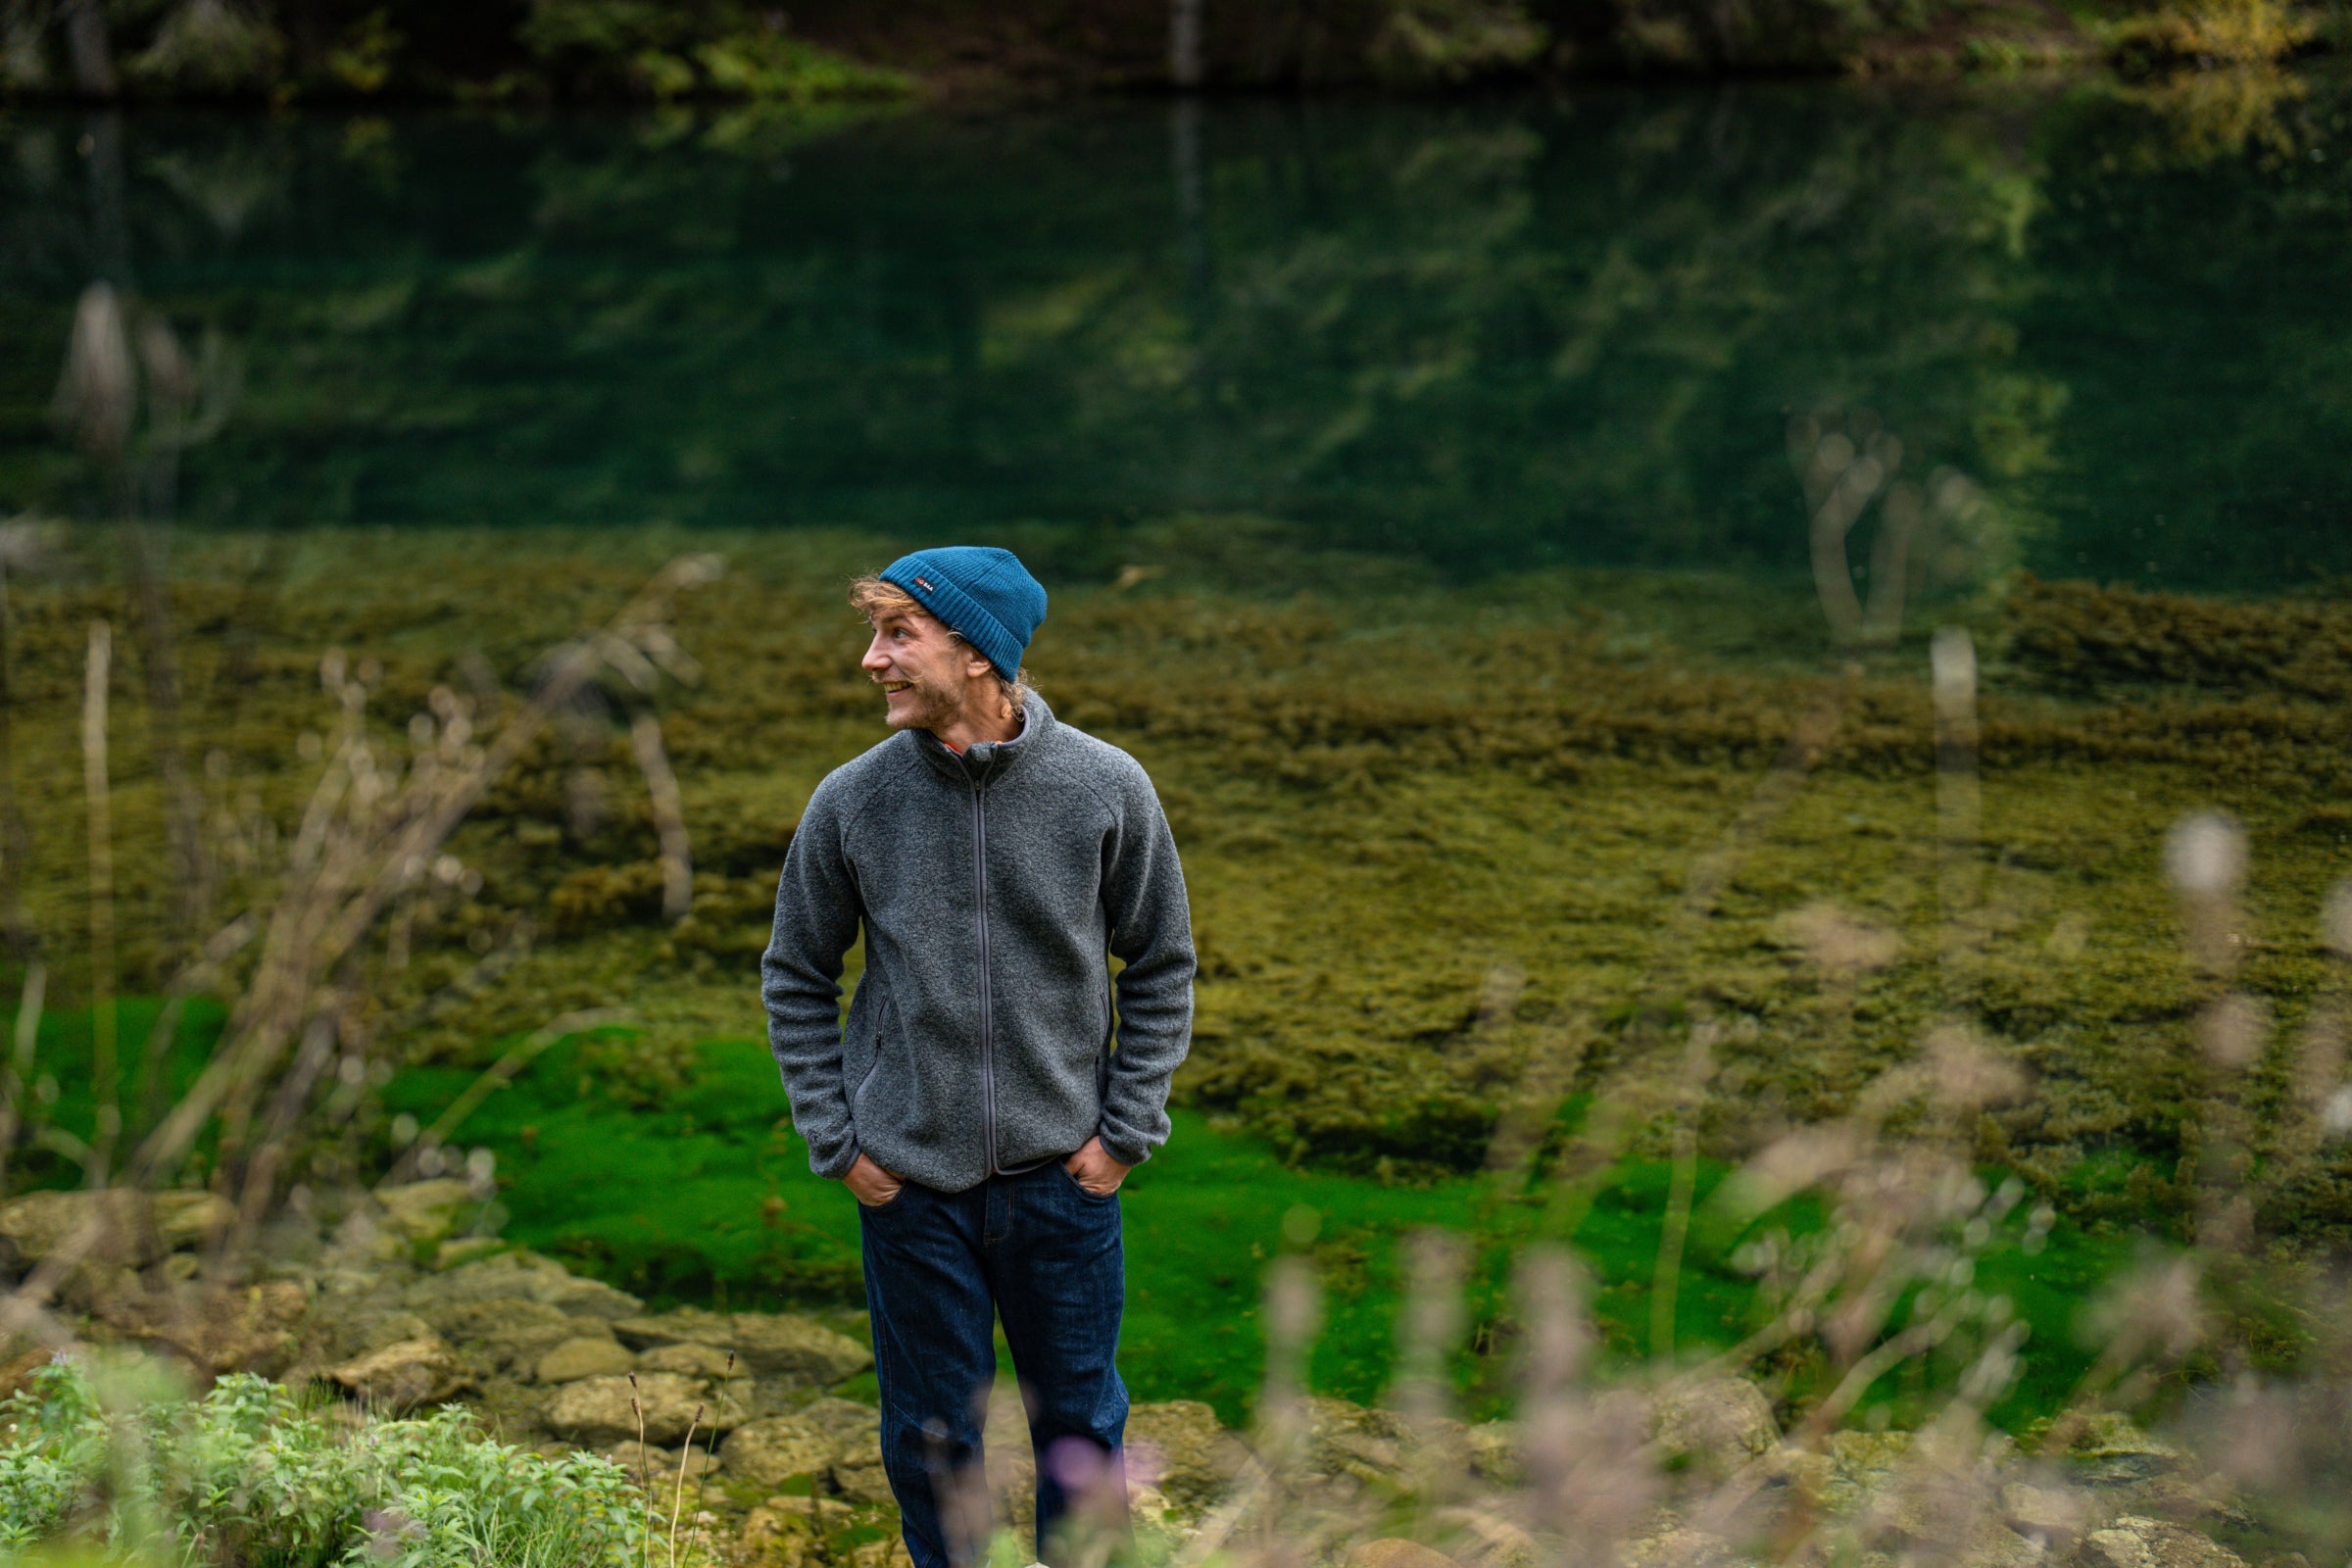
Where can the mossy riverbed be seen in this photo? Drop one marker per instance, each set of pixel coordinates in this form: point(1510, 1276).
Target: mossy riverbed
point(706, 1198)
point(1457, 853)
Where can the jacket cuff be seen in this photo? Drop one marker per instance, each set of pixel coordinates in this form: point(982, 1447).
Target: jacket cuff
point(838, 1166)
point(1126, 1153)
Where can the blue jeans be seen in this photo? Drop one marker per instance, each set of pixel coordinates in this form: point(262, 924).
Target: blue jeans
point(1042, 1253)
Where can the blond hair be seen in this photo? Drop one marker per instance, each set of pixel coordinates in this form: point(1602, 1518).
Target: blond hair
point(873, 597)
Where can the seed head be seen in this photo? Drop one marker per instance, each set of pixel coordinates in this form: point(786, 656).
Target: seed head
point(2205, 855)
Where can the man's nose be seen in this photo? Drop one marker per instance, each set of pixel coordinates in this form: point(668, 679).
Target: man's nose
point(875, 659)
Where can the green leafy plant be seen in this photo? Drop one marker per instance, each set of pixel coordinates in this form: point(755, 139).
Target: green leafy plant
point(667, 50)
point(1456, 40)
point(2206, 34)
point(250, 1473)
point(211, 47)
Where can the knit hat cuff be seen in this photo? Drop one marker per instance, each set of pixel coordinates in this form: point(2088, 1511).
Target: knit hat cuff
point(936, 591)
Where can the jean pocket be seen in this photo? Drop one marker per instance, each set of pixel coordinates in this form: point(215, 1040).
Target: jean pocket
point(1079, 1186)
point(890, 1203)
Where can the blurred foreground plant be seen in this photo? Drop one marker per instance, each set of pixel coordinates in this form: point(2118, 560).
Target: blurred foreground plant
point(364, 864)
point(99, 1453)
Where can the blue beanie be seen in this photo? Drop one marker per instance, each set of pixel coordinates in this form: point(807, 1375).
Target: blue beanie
point(980, 591)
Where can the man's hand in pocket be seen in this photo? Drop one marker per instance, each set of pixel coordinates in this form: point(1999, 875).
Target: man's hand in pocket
point(1095, 1170)
point(871, 1184)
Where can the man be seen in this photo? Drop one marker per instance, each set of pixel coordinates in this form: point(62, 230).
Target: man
point(982, 1101)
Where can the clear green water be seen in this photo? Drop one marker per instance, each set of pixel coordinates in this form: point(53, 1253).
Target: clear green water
point(1471, 336)
point(1475, 333)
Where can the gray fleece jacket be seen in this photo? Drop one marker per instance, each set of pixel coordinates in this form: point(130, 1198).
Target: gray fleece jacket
point(992, 887)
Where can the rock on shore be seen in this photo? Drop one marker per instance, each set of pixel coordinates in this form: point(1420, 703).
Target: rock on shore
point(749, 1407)
point(132, 1229)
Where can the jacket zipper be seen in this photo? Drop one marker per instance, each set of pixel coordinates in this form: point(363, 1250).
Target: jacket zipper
point(988, 1023)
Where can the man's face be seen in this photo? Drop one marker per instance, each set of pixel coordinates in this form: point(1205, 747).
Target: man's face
point(925, 674)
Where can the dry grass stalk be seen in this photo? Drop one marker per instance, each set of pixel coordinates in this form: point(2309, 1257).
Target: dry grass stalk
point(16, 1087)
point(645, 1472)
point(493, 1078)
point(98, 796)
point(1682, 1184)
point(1959, 791)
point(370, 834)
point(22, 544)
point(678, 1499)
point(1842, 478)
point(105, 387)
point(702, 1477)
point(192, 871)
point(669, 815)
point(1845, 461)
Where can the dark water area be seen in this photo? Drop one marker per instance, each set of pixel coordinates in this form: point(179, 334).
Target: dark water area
point(1475, 334)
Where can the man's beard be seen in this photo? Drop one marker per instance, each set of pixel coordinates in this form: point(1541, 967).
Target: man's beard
point(926, 707)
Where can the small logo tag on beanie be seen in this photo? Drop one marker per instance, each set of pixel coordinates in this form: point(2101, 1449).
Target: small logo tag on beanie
point(924, 583)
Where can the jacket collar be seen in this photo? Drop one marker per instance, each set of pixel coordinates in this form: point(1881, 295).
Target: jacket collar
point(990, 761)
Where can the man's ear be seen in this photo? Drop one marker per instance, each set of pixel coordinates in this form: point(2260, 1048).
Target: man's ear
point(976, 665)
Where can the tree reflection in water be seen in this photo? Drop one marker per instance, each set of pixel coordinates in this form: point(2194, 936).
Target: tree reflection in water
point(1476, 333)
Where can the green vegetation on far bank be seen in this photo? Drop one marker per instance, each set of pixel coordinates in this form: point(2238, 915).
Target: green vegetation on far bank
point(834, 50)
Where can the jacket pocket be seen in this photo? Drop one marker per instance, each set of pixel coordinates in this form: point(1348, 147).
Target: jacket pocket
point(881, 1041)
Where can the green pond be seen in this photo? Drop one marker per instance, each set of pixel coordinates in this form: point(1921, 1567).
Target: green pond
point(1414, 363)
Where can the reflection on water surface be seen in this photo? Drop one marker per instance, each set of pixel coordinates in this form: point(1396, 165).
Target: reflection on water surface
point(1451, 854)
point(1476, 333)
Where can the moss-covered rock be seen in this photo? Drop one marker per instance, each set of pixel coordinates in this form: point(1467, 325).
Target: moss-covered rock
point(598, 1411)
point(584, 1356)
point(405, 1375)
point(129, 1228)
point(2137, 1541)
